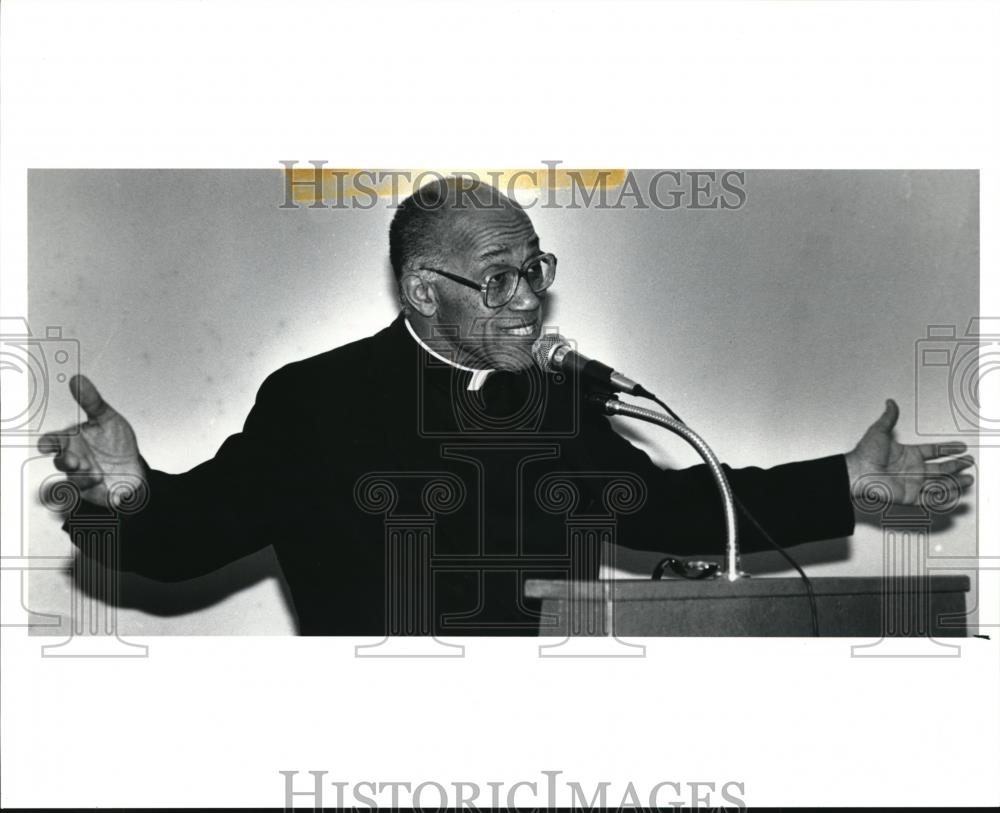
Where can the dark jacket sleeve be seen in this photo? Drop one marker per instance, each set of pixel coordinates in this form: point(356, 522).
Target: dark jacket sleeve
point(221, 510)
point(797, 502)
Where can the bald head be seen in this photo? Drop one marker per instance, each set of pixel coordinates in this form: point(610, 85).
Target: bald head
point(428, 224)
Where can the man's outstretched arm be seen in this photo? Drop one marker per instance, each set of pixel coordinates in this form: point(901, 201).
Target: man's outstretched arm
point(185, 524)
point(797, 502)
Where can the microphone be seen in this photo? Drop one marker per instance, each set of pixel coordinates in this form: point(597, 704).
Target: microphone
point(552, 352)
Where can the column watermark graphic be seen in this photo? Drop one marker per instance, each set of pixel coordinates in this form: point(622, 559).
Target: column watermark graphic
point(96, 576)
point(409, 545)
point(588, 605)
point(910, 605)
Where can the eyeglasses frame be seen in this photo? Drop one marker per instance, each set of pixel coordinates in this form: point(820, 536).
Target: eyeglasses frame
point(484, 285)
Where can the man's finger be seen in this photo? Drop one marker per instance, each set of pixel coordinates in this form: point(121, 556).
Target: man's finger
point(948, 488)
point(68, 462)
point(84, 480)
point(887, 420)
point(951, 466)
point(88, 397)
point(83, 483)
point(929, 451)
point(53, 442)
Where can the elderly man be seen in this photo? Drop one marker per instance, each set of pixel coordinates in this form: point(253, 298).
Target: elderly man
point(411, 481)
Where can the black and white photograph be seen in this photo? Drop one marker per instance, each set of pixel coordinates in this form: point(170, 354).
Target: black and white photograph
point(535, 404)
point(347, 414)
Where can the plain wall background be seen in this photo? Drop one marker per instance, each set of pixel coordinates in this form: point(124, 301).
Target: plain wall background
point(776, 330)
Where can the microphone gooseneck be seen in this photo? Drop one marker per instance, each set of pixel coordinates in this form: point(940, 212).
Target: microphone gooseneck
point(732, 570)
point(553, 352)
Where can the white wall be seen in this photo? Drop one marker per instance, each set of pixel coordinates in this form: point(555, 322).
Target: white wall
point(777, 330)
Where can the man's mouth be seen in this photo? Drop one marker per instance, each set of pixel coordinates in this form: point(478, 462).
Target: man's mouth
point(520, 330)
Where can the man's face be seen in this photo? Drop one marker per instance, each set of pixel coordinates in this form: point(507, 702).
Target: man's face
point(480, 242)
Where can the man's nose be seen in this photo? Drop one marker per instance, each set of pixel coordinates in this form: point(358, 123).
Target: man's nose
point(524, 298)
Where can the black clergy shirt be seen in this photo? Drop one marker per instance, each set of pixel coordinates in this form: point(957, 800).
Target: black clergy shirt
point(399, 501)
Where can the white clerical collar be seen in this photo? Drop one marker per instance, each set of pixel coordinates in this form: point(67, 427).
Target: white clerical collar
point(478, 376)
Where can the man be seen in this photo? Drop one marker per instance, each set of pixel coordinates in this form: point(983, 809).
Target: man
point(412, 481)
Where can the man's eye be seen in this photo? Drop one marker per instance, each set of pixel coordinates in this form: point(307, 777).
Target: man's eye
point(502, 281)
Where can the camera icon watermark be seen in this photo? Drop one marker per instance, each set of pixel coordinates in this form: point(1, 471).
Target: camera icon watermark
point(31, 366)
point(950, 378)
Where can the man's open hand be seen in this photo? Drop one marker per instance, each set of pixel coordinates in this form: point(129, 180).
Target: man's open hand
point(101, 456)
point(906, 469)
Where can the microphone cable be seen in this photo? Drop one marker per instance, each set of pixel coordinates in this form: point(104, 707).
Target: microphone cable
point(642, 392)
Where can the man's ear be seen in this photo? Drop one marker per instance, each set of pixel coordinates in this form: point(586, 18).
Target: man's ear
point(418, 294)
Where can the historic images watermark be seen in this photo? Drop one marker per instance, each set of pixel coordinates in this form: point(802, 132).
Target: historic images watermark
point(320, 187)
point(550, 789)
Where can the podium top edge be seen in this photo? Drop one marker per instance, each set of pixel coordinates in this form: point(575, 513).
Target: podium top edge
point(667, 589)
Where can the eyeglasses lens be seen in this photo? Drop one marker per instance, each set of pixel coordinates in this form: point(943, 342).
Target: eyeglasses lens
point(501, 288)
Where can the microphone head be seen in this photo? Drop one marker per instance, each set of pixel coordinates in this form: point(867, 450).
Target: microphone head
point(545, 348)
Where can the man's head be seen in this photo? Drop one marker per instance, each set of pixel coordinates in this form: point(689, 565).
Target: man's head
point(454, 228)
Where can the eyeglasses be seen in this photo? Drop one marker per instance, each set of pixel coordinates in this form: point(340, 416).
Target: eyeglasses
point(500, 283)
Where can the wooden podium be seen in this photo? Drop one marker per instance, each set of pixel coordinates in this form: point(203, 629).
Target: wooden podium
point(911, 606)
